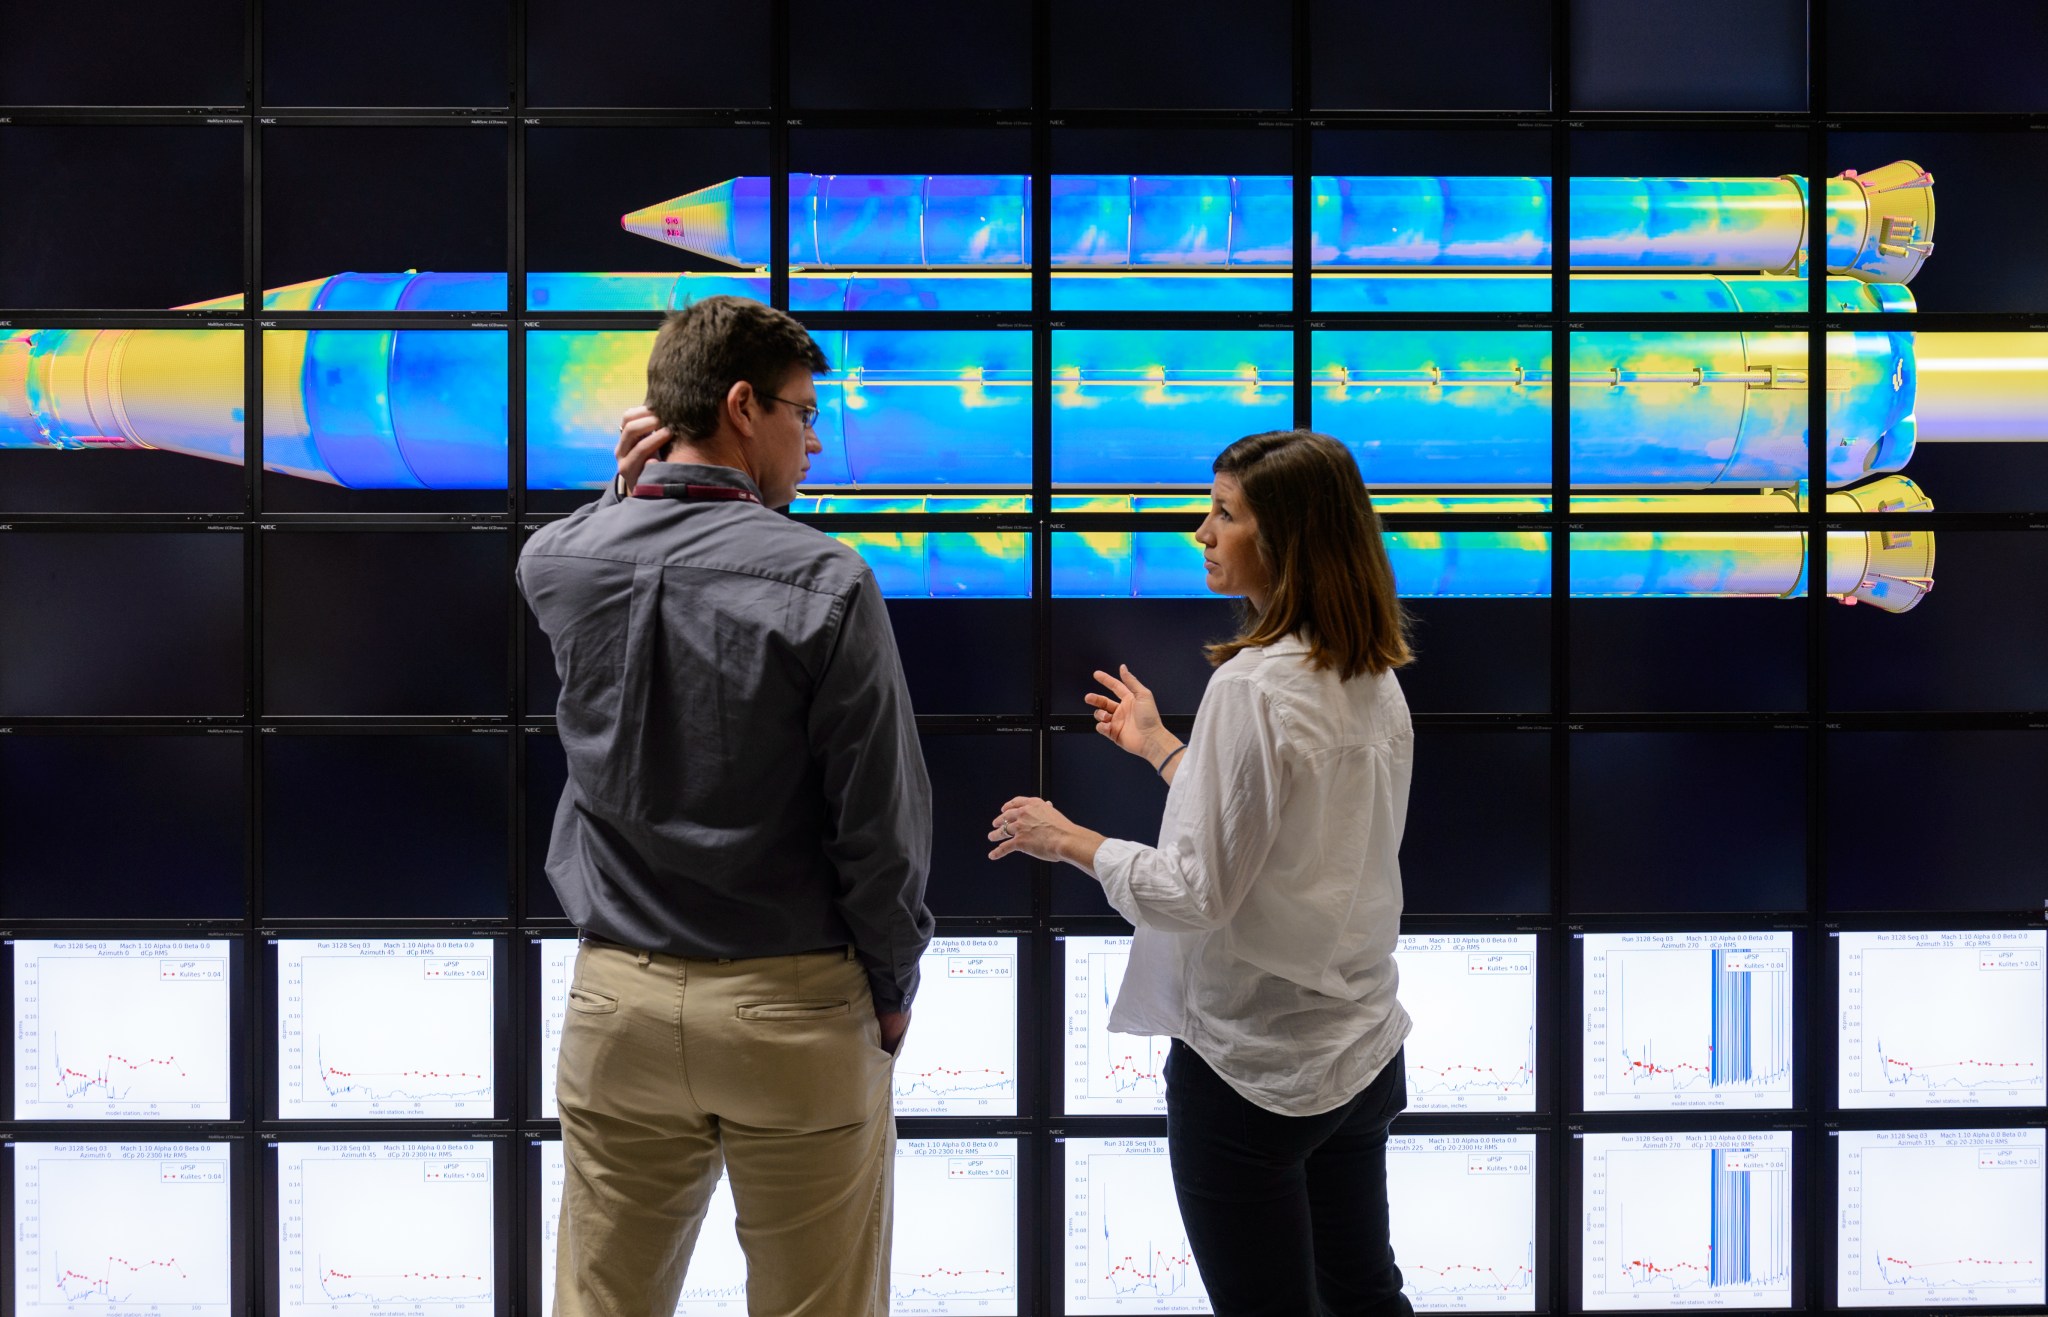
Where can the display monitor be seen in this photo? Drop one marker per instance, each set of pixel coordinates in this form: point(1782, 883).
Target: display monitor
point(1463, 1213)
point(420, 830)
point(924, 54)
point(124, 1029)
point(101, 623)
point(1942, 1018)
point(176, 849)
point(1931, 1219)
point(557, 972)
point(63, 246)
point(384, 217)
point(1396, 62)
point(141, 53)
point(1687, 655)
point(1473, 1000)
point(1954, 68)
point(1626, 56)
point(1968, 642)
point(385, 420)
point(1973, 435)
point(1687, 1021)
point(1124, 1249)
point(547, 774)
point(407, 1227)
point(1978, 830)
point(954, 1254)
point(634, 217)
point(960, 1056)
point(122, 420)
point(1951, 206)
point(1477, 837)
point(1699, 1219)
point(380, 1028)
point(1104, 1073)
point(1136, 408)
point(1634, 813)
point(1205, 56)
point(972, 773)
point(386, 53)
point(621, 53)
point(136, 1228)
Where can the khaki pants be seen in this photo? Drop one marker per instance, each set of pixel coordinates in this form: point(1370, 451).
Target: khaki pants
point(773, 1066)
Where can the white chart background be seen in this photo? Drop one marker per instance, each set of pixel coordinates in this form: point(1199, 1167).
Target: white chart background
point(1933, 1217)
point(141, 1229)
point(1107, 1074)
point(557, 970)
point(1648, 1235)
point(1473, 1003)
point(1649, 1021)
point(1463, 1209)
point(1126, 1250)
point(385, 1227)
point(1943, 1019)
point(960, 1057)
point(385, 1028)
point(121, 1030)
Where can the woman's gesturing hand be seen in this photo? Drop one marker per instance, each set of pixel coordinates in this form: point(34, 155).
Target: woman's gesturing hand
point(1130, 717)
point(1034, 827)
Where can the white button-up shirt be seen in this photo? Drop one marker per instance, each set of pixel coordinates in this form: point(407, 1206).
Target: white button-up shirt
point(1267, 915)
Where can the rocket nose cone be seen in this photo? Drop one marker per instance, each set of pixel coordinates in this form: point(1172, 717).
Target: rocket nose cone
point(718, 222)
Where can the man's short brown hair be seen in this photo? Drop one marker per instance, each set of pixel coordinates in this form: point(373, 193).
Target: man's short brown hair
point(709, 346)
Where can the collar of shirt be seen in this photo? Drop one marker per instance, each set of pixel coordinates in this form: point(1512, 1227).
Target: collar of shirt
point(692, 473)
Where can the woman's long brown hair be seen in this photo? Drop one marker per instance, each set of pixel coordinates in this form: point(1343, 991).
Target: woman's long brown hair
point(1319, 540)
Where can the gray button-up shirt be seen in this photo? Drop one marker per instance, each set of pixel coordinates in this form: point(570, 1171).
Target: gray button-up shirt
point(744, 771)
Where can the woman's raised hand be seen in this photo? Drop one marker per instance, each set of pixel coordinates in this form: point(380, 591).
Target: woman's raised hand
point(1130, 717)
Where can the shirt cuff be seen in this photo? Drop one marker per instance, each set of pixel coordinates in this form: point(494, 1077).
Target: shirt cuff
point(1116, 862)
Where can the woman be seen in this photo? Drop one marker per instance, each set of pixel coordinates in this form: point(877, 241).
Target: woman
point(1266, 916)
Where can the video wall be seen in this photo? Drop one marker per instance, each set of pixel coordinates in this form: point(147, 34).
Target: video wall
point(1726, 863)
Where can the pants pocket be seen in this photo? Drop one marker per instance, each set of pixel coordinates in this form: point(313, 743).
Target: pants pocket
point(794, 1012)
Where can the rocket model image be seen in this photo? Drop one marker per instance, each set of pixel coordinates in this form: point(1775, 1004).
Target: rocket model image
point(1683, 420)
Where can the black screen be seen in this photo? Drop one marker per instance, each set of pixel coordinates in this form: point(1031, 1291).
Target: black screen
point(911, 53)
point(1688, 821)
point(972, 775)
point(1477, 841)
point(628, 53)
point(123, 827)
point(1688, 655)
point(74, 245)
point(382, 200)
point(1740, 55)
point(1972, 831)
point(131, 52)
point(1170, 54)
point(104, 624)
point(1159, 639)
point(387, 52)
point(1975, 641)
point(1986, 188)
point(1984, 55)
point(1391, 57)
point(547, 772)
point(367, 623)
point(1478, 656)
point(966, 655)
point(386, 826)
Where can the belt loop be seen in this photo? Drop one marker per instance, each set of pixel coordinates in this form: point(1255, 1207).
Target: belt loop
point(849, 953)
point(643, 958)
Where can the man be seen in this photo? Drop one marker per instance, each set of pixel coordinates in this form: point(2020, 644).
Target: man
point(743, 841)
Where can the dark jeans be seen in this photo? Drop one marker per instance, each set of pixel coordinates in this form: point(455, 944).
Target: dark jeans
point(1287, 1215)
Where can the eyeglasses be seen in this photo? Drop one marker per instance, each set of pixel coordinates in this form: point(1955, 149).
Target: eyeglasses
point(806, 412)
